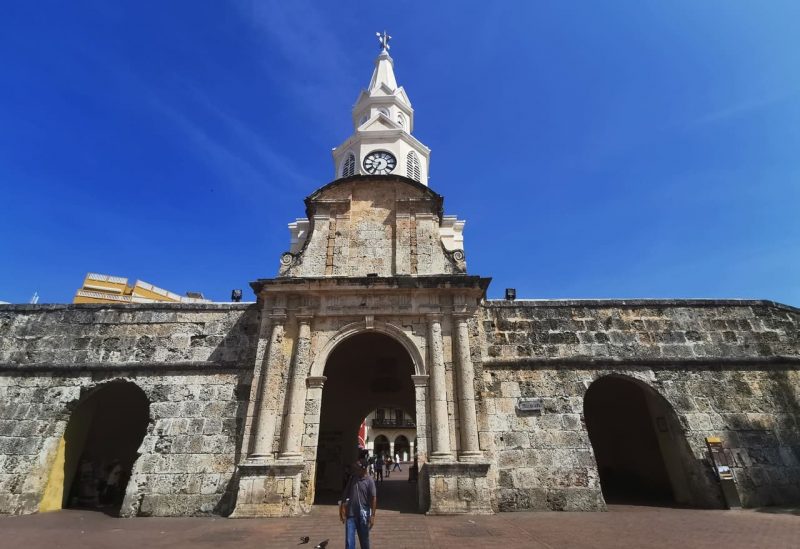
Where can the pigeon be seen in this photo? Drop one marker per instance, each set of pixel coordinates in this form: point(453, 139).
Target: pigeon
point(322, 544)
point(303, 539)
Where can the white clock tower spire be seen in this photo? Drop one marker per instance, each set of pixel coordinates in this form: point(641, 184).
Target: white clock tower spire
point(383, 121)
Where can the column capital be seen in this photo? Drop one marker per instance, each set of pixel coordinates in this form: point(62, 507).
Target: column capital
point(304, 317)
point(420, 380)
point(462, 315)
point(278, 315)
point(315, 382)
point(434, 317)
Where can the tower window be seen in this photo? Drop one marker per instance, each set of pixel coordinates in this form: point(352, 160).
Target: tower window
point(412, 166)
point(401, 120)
point(349, 165)
point(383, 110)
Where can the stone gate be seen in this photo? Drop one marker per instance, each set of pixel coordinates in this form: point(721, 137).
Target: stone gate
point(241, 409)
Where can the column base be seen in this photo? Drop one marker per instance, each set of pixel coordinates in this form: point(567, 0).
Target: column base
point(441, 457)
point(269, 489)
point(458, 488)
point(474, 456)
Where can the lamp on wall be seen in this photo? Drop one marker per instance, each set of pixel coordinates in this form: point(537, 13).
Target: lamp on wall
point(511, 294)
point(236, 295)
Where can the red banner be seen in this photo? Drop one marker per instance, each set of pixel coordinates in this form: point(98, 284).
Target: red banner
point(362, 434)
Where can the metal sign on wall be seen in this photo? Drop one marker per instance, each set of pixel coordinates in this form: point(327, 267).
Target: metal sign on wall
point(530, 405)
point(721, 464)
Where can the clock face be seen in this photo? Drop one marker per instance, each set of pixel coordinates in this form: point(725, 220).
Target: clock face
point(380, 162)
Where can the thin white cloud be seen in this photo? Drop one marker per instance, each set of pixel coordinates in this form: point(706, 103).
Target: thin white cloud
point(247, 162)
point(316, 63)
point(254, 142)
point(742, 107)
point(229, 165)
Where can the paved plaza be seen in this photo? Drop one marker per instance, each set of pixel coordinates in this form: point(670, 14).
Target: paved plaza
point(397, 527)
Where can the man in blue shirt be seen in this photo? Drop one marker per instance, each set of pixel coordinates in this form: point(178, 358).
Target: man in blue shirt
point(357, 509)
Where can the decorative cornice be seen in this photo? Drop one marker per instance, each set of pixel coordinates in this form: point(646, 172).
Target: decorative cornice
point(344, 284)
point(640, 362)
point(157, 305)
point(195, 366)
point(556, 303)
point(310, 199)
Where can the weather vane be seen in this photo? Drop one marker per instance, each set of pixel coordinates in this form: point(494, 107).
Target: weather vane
point(383, 39)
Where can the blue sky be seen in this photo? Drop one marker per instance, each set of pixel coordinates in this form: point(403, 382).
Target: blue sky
point(596, 150)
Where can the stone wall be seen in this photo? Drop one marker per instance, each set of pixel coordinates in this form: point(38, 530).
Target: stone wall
point(717, 368)
point(193, 362)
point(726, 368)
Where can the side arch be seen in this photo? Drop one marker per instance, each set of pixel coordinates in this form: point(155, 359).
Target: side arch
point(99, 447)
point(355, 328)
point(640, 445)
point(380, 445)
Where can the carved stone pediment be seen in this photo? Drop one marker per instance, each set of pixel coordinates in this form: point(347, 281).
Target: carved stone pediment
point(374, 225)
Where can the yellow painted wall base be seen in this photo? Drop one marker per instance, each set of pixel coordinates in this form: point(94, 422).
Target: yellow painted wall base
point(54, 490)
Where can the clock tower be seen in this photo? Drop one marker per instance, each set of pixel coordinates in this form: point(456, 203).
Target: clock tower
point(383, 120)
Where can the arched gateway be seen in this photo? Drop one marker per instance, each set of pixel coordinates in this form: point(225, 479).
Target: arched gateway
point(364, 371)
point(98, 450)
point(372, 297)
point(372, 302)
point(642, 456)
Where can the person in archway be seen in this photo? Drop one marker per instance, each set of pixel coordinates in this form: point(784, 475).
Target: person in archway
point(358, 506)
point(397, 463)
point(378, 467)
point(112, 483)
point(388, 464)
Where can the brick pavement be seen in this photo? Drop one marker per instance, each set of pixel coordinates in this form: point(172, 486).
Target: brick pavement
point(621, 527)
point(396, 527)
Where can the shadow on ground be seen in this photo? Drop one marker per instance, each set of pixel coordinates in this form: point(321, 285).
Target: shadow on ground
point(395, 493)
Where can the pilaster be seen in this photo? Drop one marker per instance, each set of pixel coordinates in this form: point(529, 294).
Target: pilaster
point(440, 424)
point(468, 420)
point(266, 417)
point(291, 439)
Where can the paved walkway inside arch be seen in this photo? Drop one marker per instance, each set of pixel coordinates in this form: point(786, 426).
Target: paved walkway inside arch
point(398, 527)
point(395, 494)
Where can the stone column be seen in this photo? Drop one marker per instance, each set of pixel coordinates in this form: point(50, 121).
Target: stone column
point(421, 407)
point(440, 424)
point(421, 442)
point(291, 441)
point(313, 408)
point(266, 418)
point(468, 419)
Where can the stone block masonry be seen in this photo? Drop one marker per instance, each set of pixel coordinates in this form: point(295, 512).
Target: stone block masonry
point(712, 368)
point(726, 368)
point(191, 363)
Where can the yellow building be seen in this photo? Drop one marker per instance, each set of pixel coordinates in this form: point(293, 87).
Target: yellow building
point(100, 288)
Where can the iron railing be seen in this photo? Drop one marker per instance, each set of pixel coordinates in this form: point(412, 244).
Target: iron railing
point(393, 423)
